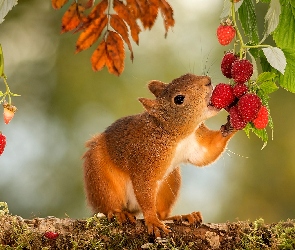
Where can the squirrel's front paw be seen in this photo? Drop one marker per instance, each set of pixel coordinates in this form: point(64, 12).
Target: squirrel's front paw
point(227, 129)
point(156, 228)
point(194, 218)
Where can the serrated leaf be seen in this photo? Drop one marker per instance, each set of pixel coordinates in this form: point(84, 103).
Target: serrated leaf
point(1, 61)
point(5, 7)
point(284, 33)
point(247, 17)
point(272, 18)
point(227, 8)
point(268, 87)
point(265, 76)
point(287, 80)
point(276, 58)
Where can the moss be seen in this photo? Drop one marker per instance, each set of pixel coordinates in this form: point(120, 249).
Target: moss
point(274, 236)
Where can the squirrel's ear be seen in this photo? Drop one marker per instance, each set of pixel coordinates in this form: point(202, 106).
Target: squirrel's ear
point(156, 87)
point(147, 103)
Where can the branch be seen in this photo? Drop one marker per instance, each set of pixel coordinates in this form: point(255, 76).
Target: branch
point(98, 233)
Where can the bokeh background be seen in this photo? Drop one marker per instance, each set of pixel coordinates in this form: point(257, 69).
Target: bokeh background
point(63, 102)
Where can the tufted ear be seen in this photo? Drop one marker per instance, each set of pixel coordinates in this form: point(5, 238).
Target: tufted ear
point(148, 104)
point(156, 87)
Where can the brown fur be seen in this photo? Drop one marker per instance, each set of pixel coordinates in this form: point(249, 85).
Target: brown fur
point(140, 154)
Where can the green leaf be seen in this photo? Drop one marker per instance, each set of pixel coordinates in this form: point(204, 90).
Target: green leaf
point(276, 58)
point(284, 33)
point(1, 61)
point(268, 87)
point(5, 7)
point(260, 133)
point(247, 17)
point(272, 17)
point(287, 80)
point(266, 76)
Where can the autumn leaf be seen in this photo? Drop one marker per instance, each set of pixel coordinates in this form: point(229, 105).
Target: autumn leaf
point(134, 8)
point(72, 18)
point(98, 10)
point(167, 13)
point(124, 13)
point(57, 4)
point(99, 57)
point(119, 25)
point(115, 53)
point(91, 33)
point(149, 12)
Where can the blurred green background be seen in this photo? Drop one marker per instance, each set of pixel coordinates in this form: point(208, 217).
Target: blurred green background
point(64, 102)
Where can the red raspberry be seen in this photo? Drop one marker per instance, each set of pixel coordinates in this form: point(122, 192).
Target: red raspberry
point(249, 105)
point(222, 95)
point(225, 34)
point(2, 143)
point(51, 235)
point(226, 63)
point(241, 70)
point(240, 89)
point(261, 120)
point(236, 119)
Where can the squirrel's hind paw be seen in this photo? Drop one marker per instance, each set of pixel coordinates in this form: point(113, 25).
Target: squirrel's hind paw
point(122, 216)
point(194, 218)
point(157, 228)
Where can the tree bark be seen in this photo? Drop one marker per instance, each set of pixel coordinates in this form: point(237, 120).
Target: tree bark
point(98, 233)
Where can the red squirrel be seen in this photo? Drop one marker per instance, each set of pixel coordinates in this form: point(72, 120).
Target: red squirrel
point(133, 166)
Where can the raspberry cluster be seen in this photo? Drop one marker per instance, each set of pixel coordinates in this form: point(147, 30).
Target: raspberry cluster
point(242, 105)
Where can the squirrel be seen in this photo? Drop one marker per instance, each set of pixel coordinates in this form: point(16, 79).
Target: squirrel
point(133, 166)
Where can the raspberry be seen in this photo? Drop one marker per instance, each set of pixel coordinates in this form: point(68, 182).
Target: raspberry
point(240, 89)
point(226, 63)
point(236, 119)
point(8, 112)
point(2, 143)
point(248, 106)
point(261, 120)
point(225, 34)
point(51, 235)
point(241, 70)
point(222, 95)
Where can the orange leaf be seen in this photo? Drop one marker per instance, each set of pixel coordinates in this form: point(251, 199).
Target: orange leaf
point(91, 33)
point(86, 3)
point(72, 18)
point(149, 12)
point(98, 10)
point(119, 25)
point(133, 7)
point(57, 4)
point(115, 53)
point(99, 57)
point(167, 13)
point(124, 13)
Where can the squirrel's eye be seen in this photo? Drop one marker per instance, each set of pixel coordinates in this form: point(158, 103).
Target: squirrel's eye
point(179, 99)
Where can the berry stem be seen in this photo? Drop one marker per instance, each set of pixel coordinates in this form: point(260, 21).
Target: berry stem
point(243, 47)
point(8, 92)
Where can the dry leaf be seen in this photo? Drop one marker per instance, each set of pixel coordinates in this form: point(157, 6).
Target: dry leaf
point(72, 18)
point(134, 8)
point(91, 33)
point(98, 10)
point(115, 53)
point(149, 12)
point(57, 4)
point(167, 13)
point(119, 25)
point(99, 57)
point(86, 3)
point(124, 13)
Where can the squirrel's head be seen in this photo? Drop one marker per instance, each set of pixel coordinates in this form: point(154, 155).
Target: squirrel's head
point(183, 102)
